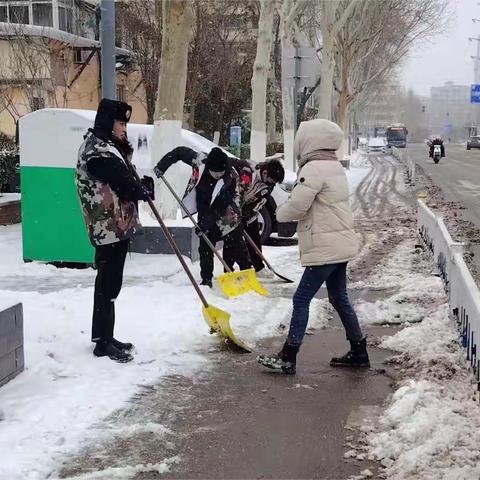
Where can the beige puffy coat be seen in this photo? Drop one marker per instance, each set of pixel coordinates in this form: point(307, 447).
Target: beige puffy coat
point(320, 198)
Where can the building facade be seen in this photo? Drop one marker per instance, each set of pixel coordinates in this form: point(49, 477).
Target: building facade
point(50, 53)
point(450, 111)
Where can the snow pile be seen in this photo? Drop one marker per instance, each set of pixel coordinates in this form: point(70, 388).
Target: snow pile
point(431, 429)
point(128, 472)
point(417, 291)
point(359, 159)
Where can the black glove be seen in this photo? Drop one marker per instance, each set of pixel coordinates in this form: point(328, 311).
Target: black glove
point(149, 186)
point(157, 171)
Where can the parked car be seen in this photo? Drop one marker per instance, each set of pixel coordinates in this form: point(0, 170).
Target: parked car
point(376, 144)
point(473, 142)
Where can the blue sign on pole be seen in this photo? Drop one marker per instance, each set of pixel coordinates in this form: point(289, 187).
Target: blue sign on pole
point(475, 94)
point(236, 139)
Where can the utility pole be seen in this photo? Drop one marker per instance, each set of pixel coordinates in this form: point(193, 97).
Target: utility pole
point(107, 38)
point(476, 73)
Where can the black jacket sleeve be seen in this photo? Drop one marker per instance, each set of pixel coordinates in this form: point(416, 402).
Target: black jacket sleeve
point(115, 173)
point(185, 154)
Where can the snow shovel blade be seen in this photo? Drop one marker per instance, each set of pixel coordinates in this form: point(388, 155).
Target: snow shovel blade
point(234, 284)
point(219, 321)
point(211, 315)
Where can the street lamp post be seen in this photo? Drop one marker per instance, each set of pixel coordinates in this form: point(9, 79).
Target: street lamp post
point(476, 71)
point(107, 19)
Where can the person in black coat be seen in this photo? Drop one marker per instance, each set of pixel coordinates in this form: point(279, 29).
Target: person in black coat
point(214, 192)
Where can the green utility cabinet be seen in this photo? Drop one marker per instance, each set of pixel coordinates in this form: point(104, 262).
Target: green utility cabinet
point(53, 229)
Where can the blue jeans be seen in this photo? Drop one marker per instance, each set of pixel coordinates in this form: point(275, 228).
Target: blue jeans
point(336, 277)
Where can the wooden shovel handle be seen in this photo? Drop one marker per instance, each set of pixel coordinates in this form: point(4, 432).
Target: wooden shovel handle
point(172, 243)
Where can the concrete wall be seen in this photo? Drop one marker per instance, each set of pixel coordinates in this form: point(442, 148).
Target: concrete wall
point(11, 343)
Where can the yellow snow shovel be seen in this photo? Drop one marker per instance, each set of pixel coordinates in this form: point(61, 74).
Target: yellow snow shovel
point(218, 320)
point(232, 283)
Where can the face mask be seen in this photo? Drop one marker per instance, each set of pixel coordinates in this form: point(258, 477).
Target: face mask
point(216, 175)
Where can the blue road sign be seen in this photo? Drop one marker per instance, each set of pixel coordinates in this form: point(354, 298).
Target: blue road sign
point(475, 94)
point(235, 136)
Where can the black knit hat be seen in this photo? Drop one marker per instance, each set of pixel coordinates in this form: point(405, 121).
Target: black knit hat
point(108, 111)
point(217, 160)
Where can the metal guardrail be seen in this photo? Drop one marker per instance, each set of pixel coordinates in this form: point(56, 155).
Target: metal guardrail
point(402, 155)
point(463, 293)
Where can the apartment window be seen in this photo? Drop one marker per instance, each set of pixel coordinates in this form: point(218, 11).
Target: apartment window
point(121, 93)
point(78, 56)
point(42, 14)
point(19, 14)
point(65, 15)
point(3, 13)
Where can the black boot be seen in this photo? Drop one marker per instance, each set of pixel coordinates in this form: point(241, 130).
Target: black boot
point(356, 357)
point(108, 349)
point(208, 283)
point(285, 360)
point(123, 346)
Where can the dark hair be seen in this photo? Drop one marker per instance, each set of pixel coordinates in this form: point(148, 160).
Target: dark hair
point(275, 170)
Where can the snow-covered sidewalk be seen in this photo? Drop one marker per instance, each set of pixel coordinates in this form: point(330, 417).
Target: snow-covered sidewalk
point(430, 427)
point(47, 410)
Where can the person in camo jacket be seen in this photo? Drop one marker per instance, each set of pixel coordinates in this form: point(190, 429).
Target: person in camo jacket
point(108, 193)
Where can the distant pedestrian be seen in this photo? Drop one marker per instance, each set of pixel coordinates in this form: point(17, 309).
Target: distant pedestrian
point(326, 239)
point(108, 193)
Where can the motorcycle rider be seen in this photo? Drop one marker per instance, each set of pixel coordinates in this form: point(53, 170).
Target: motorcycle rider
point(437, 141)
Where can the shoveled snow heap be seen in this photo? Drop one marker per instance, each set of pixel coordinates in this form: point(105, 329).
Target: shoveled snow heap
point(415, 290)
point(431, 429)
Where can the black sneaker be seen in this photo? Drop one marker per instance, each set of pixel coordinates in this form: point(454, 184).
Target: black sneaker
point(275, 362)
point(123, 346)
point(357, 357)
point(285, 360)
point(111, 351)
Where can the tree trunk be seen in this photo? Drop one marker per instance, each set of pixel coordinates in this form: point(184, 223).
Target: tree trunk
point(191, 116)
point(177, 23)
point(288, 96)
point(325, 93)
point(272, 122)
point(261, 69)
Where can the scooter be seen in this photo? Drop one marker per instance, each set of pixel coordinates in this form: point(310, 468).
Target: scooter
point(437, 153)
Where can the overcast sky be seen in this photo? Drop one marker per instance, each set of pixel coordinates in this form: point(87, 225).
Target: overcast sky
point(447, 56)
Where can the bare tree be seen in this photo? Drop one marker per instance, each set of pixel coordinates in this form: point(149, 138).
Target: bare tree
point(289, 11)
point(220, 64)
point(177, 23)
point(34, 73)
point(333, 16)
point(140, 29)
point(261, 70)
point(373, 41)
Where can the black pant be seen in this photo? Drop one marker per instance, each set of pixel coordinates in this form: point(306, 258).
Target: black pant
point(234, 251)
point(253, 229)
point(109, 260)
